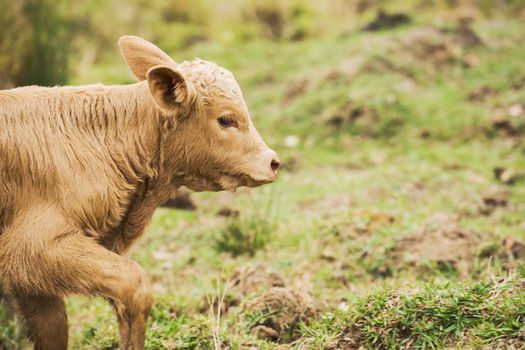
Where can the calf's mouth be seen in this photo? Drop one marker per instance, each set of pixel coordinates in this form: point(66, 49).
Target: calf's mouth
point(231, 181)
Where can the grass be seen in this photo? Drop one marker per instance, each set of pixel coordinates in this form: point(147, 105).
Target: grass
point(244, 237)
point(433, 316)
point(386, 139)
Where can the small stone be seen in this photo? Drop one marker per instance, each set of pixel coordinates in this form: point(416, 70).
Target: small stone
point(291, 141)
point(508, 176)
point(266, 333)
point(516, 110)
point(471, 60)
point(228, 212)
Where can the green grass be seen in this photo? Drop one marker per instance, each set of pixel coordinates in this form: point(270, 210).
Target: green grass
point(432, 316)
point(410, 143)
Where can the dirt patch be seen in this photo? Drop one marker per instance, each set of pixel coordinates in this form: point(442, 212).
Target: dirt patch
point(423, 36)
point(347, 69)
point(181, 200)
point(513, 249)
point(441, 48)
point(327, 205)
point(248, 280)
point(430, 49)
point(493, 200)
point(509, 123)
point(380, 64)
point(385, 20)
point(350, 232)
point(518, 84)
point(295, 89)
point(353, 114)
point(348, 339)
point(271, 20)
point(432, 45)
point(368, 221)
point(228, 212)
point(441, 242)
point(481, 93)
point(464, 35)
point(509, 251)
point(276, 314)
point(291, 164)
point(245, 282)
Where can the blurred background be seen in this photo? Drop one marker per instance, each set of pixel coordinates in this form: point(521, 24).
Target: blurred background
point(401, 127)
point(51, 42)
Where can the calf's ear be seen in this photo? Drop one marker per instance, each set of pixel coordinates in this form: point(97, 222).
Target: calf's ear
point(141, 55)
point(169, 88)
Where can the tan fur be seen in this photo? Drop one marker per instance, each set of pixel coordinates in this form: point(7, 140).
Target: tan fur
point(83, 168)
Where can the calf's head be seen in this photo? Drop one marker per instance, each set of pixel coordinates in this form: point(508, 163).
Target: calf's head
point(218, 147)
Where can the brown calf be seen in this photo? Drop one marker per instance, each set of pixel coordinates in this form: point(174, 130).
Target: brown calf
point(83, 168)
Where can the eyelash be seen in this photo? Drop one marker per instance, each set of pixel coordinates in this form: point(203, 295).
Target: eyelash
point(227, 122)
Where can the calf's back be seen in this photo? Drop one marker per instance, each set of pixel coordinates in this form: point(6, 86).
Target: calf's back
point(84, 150)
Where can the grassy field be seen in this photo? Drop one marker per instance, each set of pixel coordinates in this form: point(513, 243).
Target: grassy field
point(396, 223)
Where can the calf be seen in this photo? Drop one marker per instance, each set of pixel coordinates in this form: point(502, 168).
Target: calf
point(83, 168)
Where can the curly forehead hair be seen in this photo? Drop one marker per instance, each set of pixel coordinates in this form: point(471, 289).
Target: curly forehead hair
point(210, 80)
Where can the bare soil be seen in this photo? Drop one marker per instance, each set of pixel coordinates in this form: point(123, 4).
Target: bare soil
point(441, 241)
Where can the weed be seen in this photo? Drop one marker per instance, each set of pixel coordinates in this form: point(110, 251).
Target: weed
point(433, 316)
point(244, 236)
point(248, 232)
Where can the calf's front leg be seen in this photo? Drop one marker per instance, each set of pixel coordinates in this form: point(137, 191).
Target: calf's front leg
point(94, 270)
point(132, 305)
point(76, 264)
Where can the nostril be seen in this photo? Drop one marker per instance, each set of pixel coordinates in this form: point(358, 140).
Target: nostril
point(275, 164)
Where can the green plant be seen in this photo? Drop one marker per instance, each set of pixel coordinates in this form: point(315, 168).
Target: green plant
point(37, 34)
point(244, 235)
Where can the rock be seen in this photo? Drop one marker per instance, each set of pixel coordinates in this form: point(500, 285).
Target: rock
point(291, 141)
point(385, 20)
point(516, 110)
point(265, 333)
point(506, 175)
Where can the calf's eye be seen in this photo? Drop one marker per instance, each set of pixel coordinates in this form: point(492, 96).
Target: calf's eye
point(227, 122)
